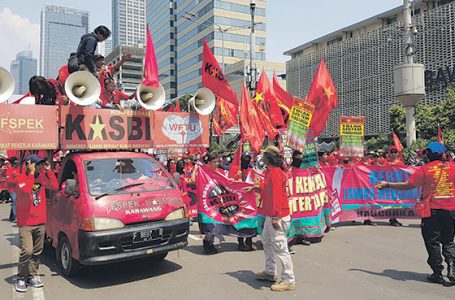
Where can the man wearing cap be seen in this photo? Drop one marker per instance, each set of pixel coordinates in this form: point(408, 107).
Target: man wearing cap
point(277, 214)
point(31, 217)
point(437, 179)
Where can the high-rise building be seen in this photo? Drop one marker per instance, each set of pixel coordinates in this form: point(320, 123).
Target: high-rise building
point(226, 26)
point(105, 47)
point(22, 68)
point(361, 59)
point(61, 30)
point(128, 23)
point(130, 74)
point(162, 19)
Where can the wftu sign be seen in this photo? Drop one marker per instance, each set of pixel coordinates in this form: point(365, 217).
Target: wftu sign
point(85, 128)
point(440, 78)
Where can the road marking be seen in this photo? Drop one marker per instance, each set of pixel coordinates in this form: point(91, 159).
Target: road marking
point(193, 237)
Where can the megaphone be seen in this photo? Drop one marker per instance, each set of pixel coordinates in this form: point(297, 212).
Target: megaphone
point(151, 97)
point(203, 101)
point(7, 84)
point(82, 88)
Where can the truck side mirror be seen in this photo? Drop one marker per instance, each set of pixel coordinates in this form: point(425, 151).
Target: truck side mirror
point(70, 188)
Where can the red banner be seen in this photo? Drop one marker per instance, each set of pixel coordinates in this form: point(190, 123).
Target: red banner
point(87, 128)
point(31, 127)
point(223, 200)
point(180, 130)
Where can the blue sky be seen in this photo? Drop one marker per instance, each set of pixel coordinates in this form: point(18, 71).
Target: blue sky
point(290, 23)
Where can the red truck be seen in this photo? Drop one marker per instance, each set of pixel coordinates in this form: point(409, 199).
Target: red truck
point(114, 206)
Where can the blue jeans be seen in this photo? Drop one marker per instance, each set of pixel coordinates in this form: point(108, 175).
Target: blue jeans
point(12, 214)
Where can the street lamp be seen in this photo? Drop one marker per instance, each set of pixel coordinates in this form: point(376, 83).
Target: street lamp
point(192, 17)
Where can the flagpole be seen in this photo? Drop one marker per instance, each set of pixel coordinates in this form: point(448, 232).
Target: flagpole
point(252, 77)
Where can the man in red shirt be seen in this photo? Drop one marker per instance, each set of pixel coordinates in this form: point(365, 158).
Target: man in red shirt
point(11, 175)
point(437, 179)
point(275, 208)
point(31, 217)
point(111, 97)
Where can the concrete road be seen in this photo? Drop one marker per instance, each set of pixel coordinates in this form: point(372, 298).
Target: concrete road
point(352, 262)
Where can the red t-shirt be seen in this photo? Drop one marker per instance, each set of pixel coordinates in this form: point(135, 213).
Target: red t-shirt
point(113, 97)
point(427, 177)
point(273, 193)
point(31, 197)
point(102, 74)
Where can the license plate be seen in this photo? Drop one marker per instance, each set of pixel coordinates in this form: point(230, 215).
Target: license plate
point(147, 235)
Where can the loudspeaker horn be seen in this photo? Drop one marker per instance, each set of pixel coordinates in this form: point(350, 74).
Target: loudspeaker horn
point(203, 101)
point(7, 84)
point(151, 97)
point(82, 88)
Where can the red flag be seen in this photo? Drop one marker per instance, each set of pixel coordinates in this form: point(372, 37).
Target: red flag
point(213, 77)
point(265, 100)
point(235, 164)
point(250, 126)
point(440, 136)
point(396, 142)
point(266, 122)
point(323, 95)
point(150, 65)
point(225, 116)
point(281, 95)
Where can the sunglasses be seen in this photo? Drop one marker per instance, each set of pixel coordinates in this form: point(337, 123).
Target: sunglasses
point(393, 151)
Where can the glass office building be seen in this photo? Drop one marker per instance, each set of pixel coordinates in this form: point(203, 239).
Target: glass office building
point(22, 69)
point(60, 32)
point(128, 23)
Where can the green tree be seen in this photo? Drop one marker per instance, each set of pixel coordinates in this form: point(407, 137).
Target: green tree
point(382, 142)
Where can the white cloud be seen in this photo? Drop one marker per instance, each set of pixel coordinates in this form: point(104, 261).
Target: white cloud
point(16, 34)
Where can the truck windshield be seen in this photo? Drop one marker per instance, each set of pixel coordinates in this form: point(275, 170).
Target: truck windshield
point(135, 174)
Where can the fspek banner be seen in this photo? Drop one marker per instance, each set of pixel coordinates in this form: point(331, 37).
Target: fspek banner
point(28, 127)
point(224, 208)
point(352, 131)
point(89, 128)
point(359, 198)
point(180, 130)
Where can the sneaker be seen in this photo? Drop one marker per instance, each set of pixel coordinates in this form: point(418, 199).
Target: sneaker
point(305, 243)
point(263, 276)
point(283, 287)
point(395, 222)
point(35, 281)
point(436, 278)
point(291, 250)
point(21, 286)
point(243, 247)
point(369, 222)
point(252, 247)
point(211, 250)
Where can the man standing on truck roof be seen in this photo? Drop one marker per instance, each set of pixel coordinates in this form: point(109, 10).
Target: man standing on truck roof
point(31, 217)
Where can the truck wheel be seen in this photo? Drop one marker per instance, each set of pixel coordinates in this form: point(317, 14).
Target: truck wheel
point(159, 257)
point(68, 264)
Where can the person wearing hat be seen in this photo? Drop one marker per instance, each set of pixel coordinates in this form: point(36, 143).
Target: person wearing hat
point(225, 163)
point(11, 175)
point(277, 214)
point(31, 217)
point(437, 179)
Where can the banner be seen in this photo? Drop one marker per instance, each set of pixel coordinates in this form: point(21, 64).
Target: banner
point(352, 131)
point(89, 128)
point(287, 152)
point(309, 202)
point(31, 127)
point(180, 130)
point(299, 121)
point(224, 207)
point(359, 198)
point(189, 190)
point(310, 154)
